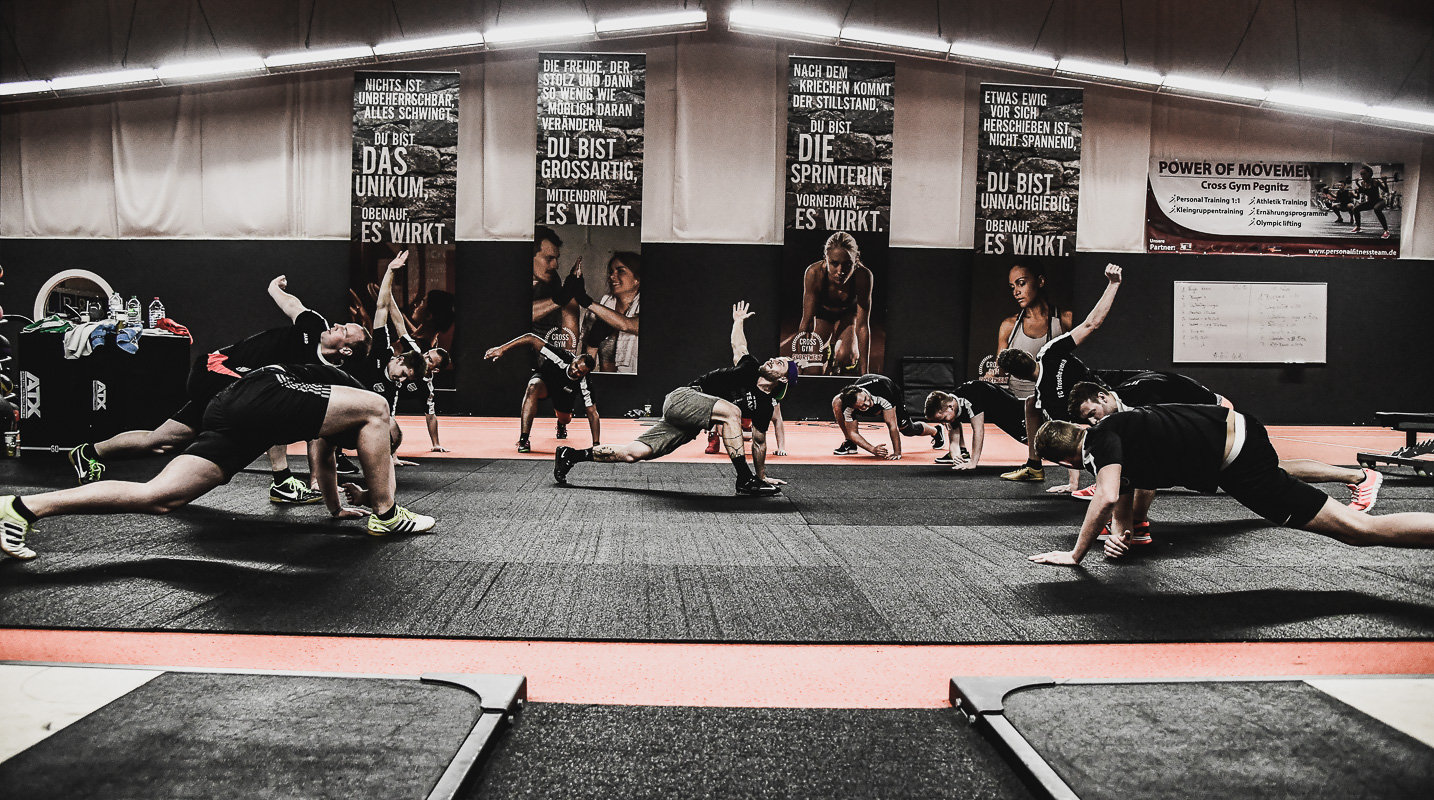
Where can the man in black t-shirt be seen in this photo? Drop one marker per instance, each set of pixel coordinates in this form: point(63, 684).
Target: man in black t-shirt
point(1204, 448)
point(723, 396)
point(1055, 371)
point(272, 405)
point(878, 393)
point(308, 339)
point(560, 377)
point(555, 312)
point(976, 402)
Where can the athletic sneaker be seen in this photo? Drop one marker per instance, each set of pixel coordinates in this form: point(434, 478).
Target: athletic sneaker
point(524, 446)
point(294, 492)
point(714, 443)
point(562, 430)
point(1084, 494)
point(1025, 474)
point(1141, 534)
point(757, 488)
point(1384, 235)
point(87, 469)
point(946, 458)
point(402, 521)
point(939, 440)
point(13, 528)
point(1366, 491)
point(563, 461)
point(344, 465)
point(848, 448)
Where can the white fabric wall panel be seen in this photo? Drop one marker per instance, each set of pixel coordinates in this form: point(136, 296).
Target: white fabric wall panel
point(157, 176)
point(510, 139)
point(1115, 157)
point(730, 140)
point(659, 132)
point(323, 116)
point(928, 157)
point(468, 222)
point(66, 172)
point(249, 146)
point(12, 200)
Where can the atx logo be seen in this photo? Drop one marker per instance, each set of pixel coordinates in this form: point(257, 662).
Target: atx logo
point(29, 395)
point(98, 396)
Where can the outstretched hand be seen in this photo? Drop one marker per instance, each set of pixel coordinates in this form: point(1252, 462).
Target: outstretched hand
point(351, 513)
point(398, 261)
point(1117, 545)
point(741, 310)
point(355, 494)
point(1112, 273)
point(1060, 558)
point(493, 353)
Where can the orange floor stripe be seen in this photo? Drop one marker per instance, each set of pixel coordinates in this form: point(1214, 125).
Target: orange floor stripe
point(734, 675)
point(812, 442)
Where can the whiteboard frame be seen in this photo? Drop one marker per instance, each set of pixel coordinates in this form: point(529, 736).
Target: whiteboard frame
point(1175, 320)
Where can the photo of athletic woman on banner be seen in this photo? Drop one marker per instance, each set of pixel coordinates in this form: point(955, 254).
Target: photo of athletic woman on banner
point(1016, 301)
point(833, 293)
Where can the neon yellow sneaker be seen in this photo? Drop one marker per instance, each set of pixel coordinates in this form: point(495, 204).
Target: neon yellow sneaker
point(1025, 474)
point(87, 469)
point(13, 528)
point(402, 521)
point(294, 492)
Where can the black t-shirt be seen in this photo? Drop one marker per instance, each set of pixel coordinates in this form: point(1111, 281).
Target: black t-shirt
point(737, 384)
point(543, 290)
point(883, 391)
point(1060, 372)
point(1159, 447)
point(1159, 388)
point(372, 370)
point(563, 389)
point(291, 344)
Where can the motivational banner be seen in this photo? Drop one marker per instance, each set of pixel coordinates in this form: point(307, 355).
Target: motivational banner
point(405, 186)
point(840, 114)
point(587, 244)
point(1028, 170)
point(1288, 208)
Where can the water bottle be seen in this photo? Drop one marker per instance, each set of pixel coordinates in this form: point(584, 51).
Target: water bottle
point(116, 307)
point(133, 312)
point(156, 313)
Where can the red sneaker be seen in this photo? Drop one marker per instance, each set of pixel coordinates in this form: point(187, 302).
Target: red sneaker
point(1366, 491)
point(714, 443)
point(1084, 494)
point(1141, 534)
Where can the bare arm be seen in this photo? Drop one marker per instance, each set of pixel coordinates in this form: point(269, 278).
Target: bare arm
point(1003, 335)
point(888, 416)
point(978, 441)
point(862, 361)
point(811, 283)
point(1107, 492)
point(780, 431)
point(740, 312)
point(495, 353)
point(432, 421)
point(614, 319)
point(1096, 316)
point(759, 453)
point(385, 292)
point(595, 425)
point(326, 474)
point(287, 303)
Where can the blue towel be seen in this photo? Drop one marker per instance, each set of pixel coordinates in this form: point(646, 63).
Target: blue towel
point(128, 338)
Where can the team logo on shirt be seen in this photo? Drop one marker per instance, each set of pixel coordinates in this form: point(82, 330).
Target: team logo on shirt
point(378, 387)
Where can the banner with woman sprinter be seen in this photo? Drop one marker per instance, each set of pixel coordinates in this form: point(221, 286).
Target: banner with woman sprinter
point(587, 242)
point(1301, 208)
point(405, 180)
point(840, 115)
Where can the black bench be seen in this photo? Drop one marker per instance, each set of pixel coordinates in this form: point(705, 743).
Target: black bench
point(1412, 424)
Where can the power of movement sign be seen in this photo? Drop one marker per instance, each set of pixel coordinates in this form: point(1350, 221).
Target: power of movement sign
point(1028, 170)
point(405, 168)
point(1302, 208)
point(591, 109)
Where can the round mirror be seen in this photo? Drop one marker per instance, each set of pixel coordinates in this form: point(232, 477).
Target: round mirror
point(76, 291)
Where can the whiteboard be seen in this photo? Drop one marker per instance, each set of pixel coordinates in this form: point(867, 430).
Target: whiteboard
point(1270, 323)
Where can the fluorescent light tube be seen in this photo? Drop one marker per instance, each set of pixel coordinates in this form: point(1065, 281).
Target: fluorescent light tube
point(1213, 87)
point(900, 41)
point(565, 29)
point(1316, 103)
point(744, 19)
point(23, 87)
point(1097, 69)
point(675, 19)
point(452, 41)
point(206, 69)
point(96, 79)
point(311, 57)
point(1403, 115)
point(1002, 56)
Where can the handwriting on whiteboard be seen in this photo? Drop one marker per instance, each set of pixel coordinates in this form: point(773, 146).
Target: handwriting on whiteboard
point(1250, 322)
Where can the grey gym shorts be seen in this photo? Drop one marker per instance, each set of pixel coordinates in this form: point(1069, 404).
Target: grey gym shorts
point(685, 413)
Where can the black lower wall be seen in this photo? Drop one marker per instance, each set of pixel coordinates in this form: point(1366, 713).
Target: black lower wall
point(1378, 320)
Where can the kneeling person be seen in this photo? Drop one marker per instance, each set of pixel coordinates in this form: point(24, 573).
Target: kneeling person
point(976, 402)
point(271, 406)
point(722, 396)
point(1204, 448)
point(879, 392)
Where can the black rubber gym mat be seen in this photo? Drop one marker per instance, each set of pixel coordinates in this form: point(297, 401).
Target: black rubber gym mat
point(577, 751)
point(1269, 739)
point(664, 552)
point(193, 735)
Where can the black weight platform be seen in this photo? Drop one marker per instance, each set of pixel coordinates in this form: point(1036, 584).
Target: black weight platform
point(581, 751)
point(192, 735)
point(663, 552)
point(1268, 739)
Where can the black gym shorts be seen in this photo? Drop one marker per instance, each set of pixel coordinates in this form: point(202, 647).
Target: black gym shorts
point(252, 415)
point(1257, 482)
point(201, 387)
